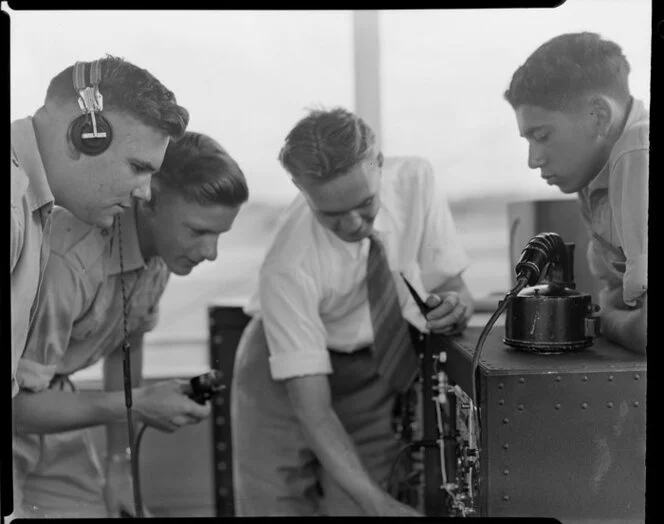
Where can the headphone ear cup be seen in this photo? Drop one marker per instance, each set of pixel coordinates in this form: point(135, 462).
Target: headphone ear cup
point(90, 146)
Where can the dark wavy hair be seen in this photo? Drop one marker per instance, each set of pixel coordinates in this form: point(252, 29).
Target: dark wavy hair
point(197, 168)
point(326, 144)
point(131, 90)
point(564, 69)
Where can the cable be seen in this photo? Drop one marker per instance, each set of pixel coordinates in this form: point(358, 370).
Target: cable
point(136, 464)
point(390, 477)
point(502, 305)
point(126, 367)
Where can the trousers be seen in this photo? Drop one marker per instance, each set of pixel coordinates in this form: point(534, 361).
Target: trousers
point(57, 475)
point(275, 473)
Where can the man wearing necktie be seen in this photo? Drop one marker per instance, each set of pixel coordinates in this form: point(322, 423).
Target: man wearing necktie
point(329, 346)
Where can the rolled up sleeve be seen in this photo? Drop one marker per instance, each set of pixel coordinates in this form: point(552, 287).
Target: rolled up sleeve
point(293, 328)
point(628, 195)
point(60, 303)
point(19, 184)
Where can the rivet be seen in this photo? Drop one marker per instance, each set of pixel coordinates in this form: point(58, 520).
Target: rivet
point(219, 400)
point(221, 466)
point(217, 339)
point(520, 407)
point(636, 403)
point(557, 406)
point(609, 404)
point(584, 405)
point(501, 385)
point(521, 380)
point(221, 446)
point(506, 472)
point(610, 378)
point(558, 378)
point(223, 492)
point(506, 421)
point(506, 497)
point(637, 376)
point(506, 446)
point(220, 421)
point(585, 378)
point(501, 402)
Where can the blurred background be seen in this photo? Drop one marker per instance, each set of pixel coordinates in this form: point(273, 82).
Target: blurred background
point(429, 81)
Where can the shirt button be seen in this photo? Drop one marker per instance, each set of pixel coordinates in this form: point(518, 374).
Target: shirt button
point(104, 232)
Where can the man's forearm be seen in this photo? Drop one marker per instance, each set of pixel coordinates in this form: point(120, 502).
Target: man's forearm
point(54, 411)
point(625, 327)
point(336, 452)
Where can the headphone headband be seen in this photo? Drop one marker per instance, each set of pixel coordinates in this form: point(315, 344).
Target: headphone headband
point(89, 98)
point(90, 132)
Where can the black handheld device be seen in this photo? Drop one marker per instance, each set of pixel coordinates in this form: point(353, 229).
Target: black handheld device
point(205, 386)
point(424, 309)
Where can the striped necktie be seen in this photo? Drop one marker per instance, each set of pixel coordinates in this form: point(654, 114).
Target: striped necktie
point(397, 360)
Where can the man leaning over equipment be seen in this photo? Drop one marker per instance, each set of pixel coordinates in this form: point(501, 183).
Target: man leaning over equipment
point(93, 277)
point(328, 349)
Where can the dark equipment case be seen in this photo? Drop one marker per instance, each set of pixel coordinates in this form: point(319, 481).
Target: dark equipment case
point(562, 435)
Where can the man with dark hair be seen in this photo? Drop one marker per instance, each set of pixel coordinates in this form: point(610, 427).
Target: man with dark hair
point(328, 349)
point(48, 167)
point(79, 320)
point(587, 134)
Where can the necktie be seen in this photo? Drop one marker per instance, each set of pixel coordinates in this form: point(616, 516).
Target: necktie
point(397, 360)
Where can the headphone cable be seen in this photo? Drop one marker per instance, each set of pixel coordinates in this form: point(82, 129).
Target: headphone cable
point(126, 367)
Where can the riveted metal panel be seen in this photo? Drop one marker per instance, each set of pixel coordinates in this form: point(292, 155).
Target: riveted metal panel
point(226, 324)
point(562, 435)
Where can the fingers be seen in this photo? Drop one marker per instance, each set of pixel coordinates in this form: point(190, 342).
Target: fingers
point(449, 317)
point(447, 305)
point(433, 300)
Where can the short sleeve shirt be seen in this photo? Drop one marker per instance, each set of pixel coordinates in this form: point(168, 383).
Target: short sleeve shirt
point(29, 238)
point(312, 285)
point(615, 208)
point(79, 319)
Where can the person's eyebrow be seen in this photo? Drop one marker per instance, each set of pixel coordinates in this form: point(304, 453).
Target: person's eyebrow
point(532, 130)
point(344, 211)
point(143, 165)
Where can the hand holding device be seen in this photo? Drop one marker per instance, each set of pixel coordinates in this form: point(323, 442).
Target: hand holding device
point(167, 405)
point(449, 317)
point(205, 386)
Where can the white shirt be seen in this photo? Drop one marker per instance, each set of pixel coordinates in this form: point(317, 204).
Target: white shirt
point(312, 291)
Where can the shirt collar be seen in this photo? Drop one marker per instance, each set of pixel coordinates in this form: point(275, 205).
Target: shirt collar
point(24, 146)
point(132, 257)
point(636, 113)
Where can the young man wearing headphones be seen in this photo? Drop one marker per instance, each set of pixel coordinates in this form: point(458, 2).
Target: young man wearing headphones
point(79, 320)
point(588, 135)
point(101, 133)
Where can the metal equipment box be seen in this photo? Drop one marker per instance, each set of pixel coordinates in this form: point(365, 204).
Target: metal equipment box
point(562, 435)
point(226, 324)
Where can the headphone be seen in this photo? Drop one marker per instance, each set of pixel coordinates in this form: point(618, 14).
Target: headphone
point(90, 133)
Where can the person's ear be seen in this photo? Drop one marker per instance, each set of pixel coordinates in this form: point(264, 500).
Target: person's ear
point(72, 152)
point(601, 111)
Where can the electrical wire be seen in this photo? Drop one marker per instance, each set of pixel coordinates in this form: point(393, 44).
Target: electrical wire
point(126, 366)
point(502, 305)
point(135, 459)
